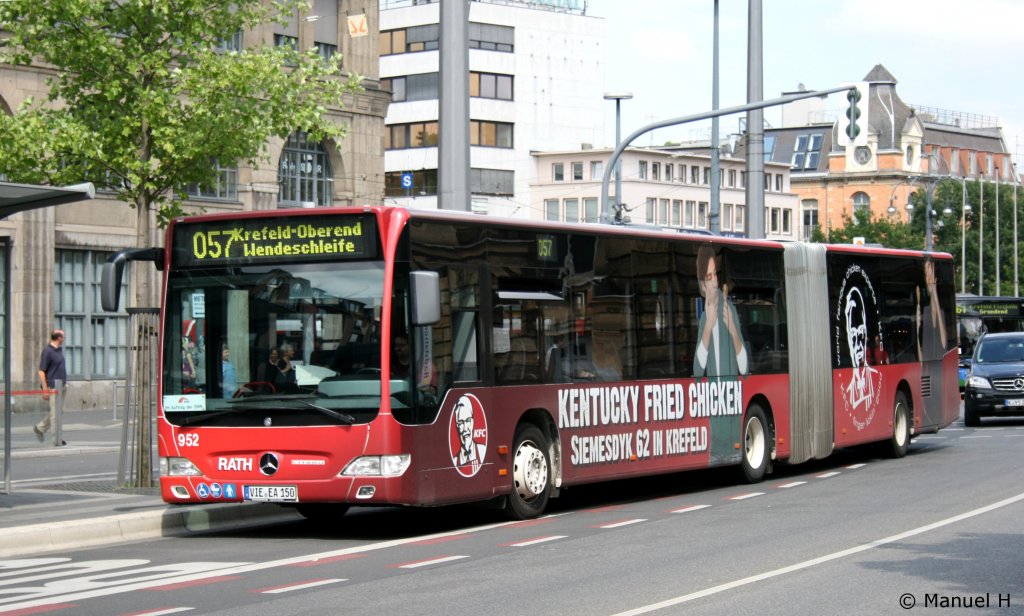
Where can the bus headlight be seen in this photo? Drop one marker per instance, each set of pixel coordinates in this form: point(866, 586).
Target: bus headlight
point(378, 466)
point(178, 467)
point(978, 382)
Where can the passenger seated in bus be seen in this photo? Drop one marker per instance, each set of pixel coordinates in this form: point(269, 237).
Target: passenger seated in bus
point(270, 370)
point(285, 379)
point(425, 375)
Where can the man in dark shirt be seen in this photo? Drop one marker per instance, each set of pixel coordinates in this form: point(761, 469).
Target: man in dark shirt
point(51, 370)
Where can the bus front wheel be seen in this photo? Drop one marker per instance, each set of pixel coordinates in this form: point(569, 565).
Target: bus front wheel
point(531, 474)
point(900, 440)
point(755, 445)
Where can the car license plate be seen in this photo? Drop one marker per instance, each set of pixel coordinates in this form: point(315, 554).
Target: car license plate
point(271, 494)
point(1017, 402)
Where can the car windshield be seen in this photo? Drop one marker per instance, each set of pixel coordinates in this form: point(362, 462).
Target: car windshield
point(1000, 350)
point(288, 344)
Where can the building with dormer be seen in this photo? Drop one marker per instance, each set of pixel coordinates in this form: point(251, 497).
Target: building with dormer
point(832, 181)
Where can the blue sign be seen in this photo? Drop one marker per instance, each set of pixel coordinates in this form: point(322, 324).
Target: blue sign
point(406, 181)
point(215, 490)
point(203, 491)
point(230, 491)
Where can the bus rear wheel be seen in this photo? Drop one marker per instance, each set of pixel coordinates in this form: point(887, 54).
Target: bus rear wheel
point(531, 474)
point(900, 441)
point(755, 445)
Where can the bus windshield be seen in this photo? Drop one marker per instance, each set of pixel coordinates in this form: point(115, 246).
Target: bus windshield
point(274, 344)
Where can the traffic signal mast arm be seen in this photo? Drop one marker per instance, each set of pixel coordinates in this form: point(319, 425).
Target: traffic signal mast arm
point(606, 215)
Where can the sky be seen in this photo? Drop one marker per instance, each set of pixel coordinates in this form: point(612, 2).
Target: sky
point(950, 54)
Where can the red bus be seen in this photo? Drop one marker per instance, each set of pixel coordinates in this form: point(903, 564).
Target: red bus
point(440, 357)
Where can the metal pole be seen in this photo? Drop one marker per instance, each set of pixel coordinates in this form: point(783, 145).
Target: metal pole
point(755, 123)
point(1016, 247)
point(928, 217)
point(963, 239)
point(618, 164)
point(453, 121)
point(8, 400)
point(981, 234)
point(618, 97)
point(716, 167)
point(999, 249)
point(706, 115)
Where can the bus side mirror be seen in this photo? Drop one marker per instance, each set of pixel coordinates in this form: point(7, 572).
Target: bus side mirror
point(110, 285)
point(113, 272)
point(426, 297)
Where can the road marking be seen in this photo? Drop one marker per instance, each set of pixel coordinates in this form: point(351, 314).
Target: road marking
point(792, 484)
point(162, 611)
point(327, 561)
point(55, 594)
point(528, 542)
point(300, 586)
point(827, 475)
point(746, 496)
point(807, 564)
point(622, 523)
point(856, 466)
point(977, 436)
point(427, 563)
point(689, 509)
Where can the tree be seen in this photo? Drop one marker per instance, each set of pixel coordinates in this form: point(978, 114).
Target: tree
point(144, 97)
point(884, 231)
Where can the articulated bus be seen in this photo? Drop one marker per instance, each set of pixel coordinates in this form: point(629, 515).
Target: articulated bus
point(334, 357)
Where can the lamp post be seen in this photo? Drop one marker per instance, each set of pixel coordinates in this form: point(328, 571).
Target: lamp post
point(618, 97)
point(963, 238)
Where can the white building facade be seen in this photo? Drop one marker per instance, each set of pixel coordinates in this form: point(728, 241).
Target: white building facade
point(536, 84)
point(667, 189)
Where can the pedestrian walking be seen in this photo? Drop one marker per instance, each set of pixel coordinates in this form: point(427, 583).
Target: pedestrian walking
point(51, 371)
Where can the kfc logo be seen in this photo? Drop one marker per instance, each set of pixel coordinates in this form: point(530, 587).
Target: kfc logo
point(467, 435)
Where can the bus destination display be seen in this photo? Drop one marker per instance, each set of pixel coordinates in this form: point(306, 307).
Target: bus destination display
point(305, 238)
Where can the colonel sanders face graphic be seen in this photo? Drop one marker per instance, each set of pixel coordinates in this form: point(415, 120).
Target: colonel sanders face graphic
point(467, 438)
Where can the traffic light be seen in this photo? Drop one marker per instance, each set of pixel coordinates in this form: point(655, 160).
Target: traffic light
point(854, 128)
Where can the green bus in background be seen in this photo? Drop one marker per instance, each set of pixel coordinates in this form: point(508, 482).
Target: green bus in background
point(978, 314)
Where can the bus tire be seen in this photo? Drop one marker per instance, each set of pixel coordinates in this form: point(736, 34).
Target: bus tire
point(531, 474)
point(898, 443)
point(756, 445)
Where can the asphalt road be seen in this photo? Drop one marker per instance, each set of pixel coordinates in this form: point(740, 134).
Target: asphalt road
point(854, 534)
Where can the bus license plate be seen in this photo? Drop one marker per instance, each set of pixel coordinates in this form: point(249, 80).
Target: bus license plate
point(1017, 402)
point(271, 494)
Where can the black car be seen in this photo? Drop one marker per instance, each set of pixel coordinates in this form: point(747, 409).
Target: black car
point(995, 383)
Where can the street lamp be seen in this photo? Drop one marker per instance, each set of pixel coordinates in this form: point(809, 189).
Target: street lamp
point(963, 242)
point(618, 97)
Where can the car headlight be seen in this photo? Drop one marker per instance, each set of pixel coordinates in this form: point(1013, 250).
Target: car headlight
point(178, 467)
point(979, 382)
point(378, 466)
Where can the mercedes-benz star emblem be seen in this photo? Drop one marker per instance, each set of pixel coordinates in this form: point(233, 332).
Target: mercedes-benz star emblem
point(1018, 384)
point(268, 464)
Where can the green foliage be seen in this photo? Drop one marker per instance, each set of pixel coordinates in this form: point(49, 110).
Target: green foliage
point(954, 232)
point(142, 101)
point(884, 231)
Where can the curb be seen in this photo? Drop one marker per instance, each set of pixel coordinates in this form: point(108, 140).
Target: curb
point(169, 522)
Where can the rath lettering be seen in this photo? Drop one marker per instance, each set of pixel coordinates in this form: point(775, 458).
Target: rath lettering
point(234, 464)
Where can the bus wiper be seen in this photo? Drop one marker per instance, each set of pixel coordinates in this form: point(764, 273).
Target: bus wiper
point(212, 415)
point(342, 417)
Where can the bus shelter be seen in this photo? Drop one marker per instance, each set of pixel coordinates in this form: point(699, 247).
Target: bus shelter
point(16, 198)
